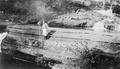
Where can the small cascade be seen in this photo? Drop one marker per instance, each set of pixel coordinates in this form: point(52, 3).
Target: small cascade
point(2, 36)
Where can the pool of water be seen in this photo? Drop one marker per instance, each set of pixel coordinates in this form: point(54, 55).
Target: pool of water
point(7, 63)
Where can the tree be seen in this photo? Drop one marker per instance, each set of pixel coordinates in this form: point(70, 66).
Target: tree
point(25, 10)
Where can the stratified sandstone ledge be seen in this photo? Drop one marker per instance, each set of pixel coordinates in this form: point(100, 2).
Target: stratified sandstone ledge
point(69, 46)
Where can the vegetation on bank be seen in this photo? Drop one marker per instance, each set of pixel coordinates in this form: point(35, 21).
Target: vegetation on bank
point(30, 11)
point(22, 11)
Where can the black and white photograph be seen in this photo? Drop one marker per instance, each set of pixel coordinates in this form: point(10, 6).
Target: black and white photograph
point(59, 34)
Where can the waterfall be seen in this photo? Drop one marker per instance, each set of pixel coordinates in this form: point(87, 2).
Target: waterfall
point(2, 36)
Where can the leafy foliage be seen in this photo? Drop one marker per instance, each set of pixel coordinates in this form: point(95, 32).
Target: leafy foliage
point(25, 10)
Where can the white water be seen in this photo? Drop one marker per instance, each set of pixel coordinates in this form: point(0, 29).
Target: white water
point(2, 36)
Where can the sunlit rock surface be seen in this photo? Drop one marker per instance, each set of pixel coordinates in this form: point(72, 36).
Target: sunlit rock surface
point(68, 46)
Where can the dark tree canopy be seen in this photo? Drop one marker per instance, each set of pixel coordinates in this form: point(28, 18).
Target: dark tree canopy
point(24, 10)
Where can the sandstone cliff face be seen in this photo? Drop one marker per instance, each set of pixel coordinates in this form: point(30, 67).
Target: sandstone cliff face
point(72, 47)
